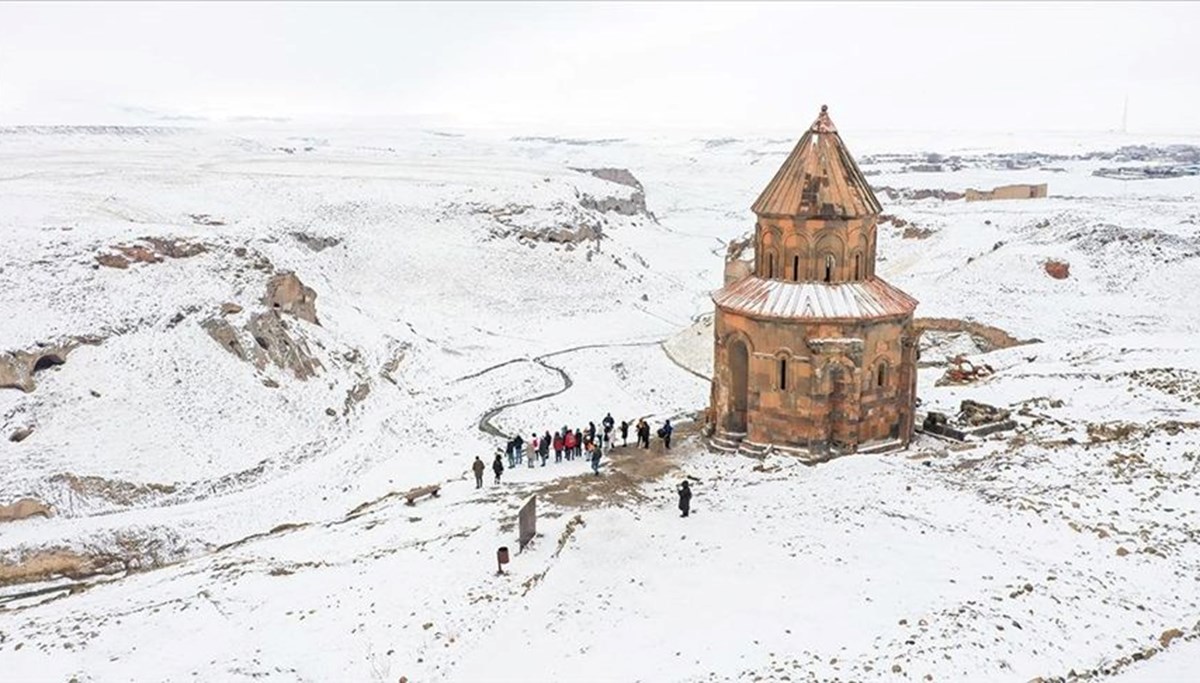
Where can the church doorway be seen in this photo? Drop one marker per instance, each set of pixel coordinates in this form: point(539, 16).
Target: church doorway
point(739, 371)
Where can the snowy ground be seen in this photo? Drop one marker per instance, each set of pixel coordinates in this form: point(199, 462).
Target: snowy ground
point(252, 508)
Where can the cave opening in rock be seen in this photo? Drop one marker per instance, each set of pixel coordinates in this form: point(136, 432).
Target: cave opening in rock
point(48, 361)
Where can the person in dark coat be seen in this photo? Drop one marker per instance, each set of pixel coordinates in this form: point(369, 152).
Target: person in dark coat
point(608, 423)
point(544, 447)
point(578, 443)
point(478, 467)
point(665, 433)
point(643, 434)
point(624, 433)
point(498, 467)
point(596, 453)
point(685, 498)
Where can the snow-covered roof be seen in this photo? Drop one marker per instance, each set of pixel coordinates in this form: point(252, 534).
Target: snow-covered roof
point(756, 297)
point(818, 179)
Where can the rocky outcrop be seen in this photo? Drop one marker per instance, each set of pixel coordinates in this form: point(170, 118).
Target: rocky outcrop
point(314, 242)
point(633, 205)
point(273, 340)
point(17, 369)
point(267, 338)
point(149, 250)
point(264, 339)
point(287, 294)
point(559, 223)
point(24, 509)
point(20, 434)
point(1059, 270)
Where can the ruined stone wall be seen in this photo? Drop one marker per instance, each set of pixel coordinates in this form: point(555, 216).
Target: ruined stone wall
point(1008, 192)
point(796, 249)
point(834, 389)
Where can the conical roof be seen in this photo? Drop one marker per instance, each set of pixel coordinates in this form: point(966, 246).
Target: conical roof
point(819, 179)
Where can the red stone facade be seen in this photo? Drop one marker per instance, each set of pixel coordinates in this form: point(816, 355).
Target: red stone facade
point(815, 355)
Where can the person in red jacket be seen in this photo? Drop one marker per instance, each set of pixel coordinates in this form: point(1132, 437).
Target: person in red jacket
point(569, 444)
point(558, 446)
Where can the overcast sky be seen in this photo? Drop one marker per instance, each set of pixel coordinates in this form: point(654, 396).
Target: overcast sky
point(575, 66)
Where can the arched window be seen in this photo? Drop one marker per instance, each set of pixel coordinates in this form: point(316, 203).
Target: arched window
point(828, 267)
point(881, 375)
point(857, 266)
point(796, 268)
point(770, 265)
point(783, 384)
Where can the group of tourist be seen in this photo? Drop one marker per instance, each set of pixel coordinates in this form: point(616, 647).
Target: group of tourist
point(570, 444)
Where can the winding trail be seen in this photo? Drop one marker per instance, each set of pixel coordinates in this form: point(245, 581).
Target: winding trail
point(485, 422)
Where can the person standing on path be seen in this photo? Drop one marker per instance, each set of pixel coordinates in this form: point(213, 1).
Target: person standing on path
point(578, 443)
point(512, 457)
point(624, 433)
point(643, 432)
point(569, 443)
point(477, 467)
point(558, 446)
point(544, 445)
point(608, 423)
point(685, 498)
point(498, 467)
point(665, 433)
point(596, 452)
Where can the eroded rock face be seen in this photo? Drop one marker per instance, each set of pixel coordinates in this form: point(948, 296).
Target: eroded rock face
point(264, 339)
point(149, 250)
point(634, 205)
point(20, 434)
point(273, 341)
point(17, 369)
point(24, 509)
point(287, 294)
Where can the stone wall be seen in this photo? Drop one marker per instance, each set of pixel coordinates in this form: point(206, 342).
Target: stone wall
point(810, 383)
point(1008, 192)
point(797, 249)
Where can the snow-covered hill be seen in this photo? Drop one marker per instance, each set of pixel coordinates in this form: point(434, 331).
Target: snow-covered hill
point(224, 455)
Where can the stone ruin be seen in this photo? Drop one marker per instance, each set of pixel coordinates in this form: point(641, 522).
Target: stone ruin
point(973, 419)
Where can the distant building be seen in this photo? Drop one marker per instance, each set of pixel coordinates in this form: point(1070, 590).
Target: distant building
point(1008, 192)
point(815, 355)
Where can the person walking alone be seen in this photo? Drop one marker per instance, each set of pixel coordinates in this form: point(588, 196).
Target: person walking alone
point(478, 466)
point(685, 498)
point(498, 467)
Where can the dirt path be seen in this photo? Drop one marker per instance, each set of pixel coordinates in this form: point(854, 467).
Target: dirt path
point(485, 422)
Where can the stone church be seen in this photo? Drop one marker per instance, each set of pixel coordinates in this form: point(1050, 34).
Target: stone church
point(815, 355)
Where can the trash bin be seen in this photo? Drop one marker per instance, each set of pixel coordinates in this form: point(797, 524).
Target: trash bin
point(501, 558)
